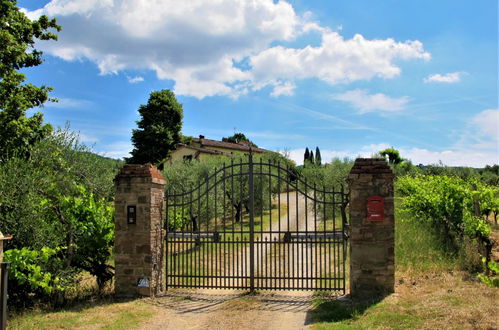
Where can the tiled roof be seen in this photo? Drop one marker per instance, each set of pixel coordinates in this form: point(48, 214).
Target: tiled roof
point(207, 151)
point(226, 145)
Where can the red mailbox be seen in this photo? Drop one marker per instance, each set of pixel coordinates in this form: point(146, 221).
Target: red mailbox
point(375, 209)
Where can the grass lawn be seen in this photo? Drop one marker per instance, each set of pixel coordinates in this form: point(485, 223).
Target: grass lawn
point(449, 300)
point(105, 314)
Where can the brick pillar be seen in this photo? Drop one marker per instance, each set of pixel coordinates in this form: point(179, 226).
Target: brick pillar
point(138, 244)
point(372, 232)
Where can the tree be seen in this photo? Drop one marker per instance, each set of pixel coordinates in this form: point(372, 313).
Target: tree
point(311, 157)
point(318, 158)
point(17, 38)
point(393, 156)
point(159, 129)
point(57, 199)
point(306, 156)
point(239, 138)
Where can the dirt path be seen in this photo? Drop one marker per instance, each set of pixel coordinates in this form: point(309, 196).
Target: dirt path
point(230, 309)
point(225, 309)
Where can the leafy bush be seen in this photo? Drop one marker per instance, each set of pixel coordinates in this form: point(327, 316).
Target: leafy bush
point(451, 206)
point(35, 271)
point(490, 280)
point(60, 197)
point(92, 231)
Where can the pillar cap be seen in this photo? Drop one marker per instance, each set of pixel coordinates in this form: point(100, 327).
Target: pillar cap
point(140, 171)
point(371, 166)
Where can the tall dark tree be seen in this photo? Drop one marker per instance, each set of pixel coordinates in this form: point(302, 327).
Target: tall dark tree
point(17, 39)
point(318, 158)
point(306, 156)
point(159, 129)
point(311, 157)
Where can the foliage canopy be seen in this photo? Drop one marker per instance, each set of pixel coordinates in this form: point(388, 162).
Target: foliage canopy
point(17, 38)
point(158, 129)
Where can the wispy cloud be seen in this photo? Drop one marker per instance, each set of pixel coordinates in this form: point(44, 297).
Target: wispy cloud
point(134, 80)
point(452, 77)
point(345, 124)
point(287, 88)
point(119, 149)
point(365, 102)
point(275, 136)
point(481, 133)
point(67, 103)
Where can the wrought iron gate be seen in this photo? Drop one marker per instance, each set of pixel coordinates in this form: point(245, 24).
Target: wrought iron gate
point(256, 225)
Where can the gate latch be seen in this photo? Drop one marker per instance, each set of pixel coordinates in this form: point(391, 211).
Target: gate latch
point(375, 209)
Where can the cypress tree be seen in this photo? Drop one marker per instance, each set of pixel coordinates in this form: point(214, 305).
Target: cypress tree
point(318, 159)
point(158, 129)
point(311, 158)
point(306, 156)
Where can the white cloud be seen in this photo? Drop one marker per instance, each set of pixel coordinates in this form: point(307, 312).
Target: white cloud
point(119, 149)
point(445, 78)
point(217, 47)
point(451, 157)
point(133, 80)
point(364, 102)
point(487, 124)
point(287, 88)
point(336, 60)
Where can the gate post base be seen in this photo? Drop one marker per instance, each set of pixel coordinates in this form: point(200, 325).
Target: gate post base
point(372, 228)
point(139, 232)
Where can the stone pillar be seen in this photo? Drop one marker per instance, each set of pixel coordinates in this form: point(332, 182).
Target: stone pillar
point(138, 244)
point(372, 228)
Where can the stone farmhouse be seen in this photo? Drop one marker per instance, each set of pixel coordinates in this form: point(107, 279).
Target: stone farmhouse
point(202, 148)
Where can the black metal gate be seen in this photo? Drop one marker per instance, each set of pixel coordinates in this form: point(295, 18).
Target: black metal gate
point(258, 226)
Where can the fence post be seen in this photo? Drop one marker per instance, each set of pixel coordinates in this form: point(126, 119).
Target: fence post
point(372, 228)
point(4, 271)
point(139, 232)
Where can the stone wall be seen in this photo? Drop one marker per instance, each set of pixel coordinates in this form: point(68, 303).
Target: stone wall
point(372, 236)
point(139, 245)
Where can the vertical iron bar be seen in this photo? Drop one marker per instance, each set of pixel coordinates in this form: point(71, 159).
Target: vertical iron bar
point(188, 258)
point(252, 223)
point(196, 247)
point(223, 236)
point(242, 183)
point(343, 239)
point(167, 250)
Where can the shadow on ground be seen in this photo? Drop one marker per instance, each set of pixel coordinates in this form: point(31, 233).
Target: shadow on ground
point(340, 309)
point(198, 302)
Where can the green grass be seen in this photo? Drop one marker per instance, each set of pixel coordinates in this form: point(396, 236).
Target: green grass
point(114, 315)
point(360, 315)
point(417, 249)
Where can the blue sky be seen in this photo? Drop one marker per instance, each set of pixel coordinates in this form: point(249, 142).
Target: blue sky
point(351, 77)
